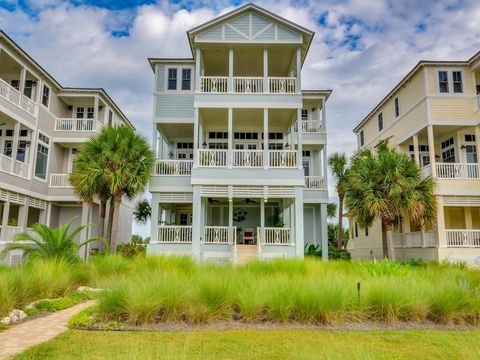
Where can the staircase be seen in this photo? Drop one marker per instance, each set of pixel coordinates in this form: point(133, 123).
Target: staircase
point(246, 253)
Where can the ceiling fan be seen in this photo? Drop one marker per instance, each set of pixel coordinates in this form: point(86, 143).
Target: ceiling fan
point(250, 201)
point(212, 201)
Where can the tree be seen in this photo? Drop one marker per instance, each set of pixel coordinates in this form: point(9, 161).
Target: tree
point(143, 211)
point(339, 165)
point(386, 184)
point(49, 243)
point(331, 210)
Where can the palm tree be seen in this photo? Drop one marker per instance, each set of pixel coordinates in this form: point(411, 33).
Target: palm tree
point(386, 184)
point(338, 163)
point(142, 211)
point(331, 210)
point(49, 243)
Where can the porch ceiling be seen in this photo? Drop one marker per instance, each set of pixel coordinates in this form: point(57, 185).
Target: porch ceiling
point(174, 132)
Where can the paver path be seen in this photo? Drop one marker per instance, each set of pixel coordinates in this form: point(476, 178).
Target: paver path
point(33, 332)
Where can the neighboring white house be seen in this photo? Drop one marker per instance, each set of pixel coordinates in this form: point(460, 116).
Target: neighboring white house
point(42, 125)
point(241, 149)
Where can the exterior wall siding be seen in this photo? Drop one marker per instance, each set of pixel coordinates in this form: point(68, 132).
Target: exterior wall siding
point(174, 106)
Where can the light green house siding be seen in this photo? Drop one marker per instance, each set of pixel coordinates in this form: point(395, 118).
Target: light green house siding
point(160, 77)
point(174, 106)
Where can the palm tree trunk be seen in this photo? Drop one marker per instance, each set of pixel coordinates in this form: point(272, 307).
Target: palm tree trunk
point(114, 241)
point(110, 219)
point(389, 236)
point(101, 225)
point(340, 223)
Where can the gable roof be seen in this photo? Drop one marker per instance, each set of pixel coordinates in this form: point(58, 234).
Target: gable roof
point(407, 77)
point(306, 33)
point(40, 69)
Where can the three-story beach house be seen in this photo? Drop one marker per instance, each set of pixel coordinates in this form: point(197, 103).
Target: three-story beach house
point(433, 114)
point(42, 126)
point(241, 149)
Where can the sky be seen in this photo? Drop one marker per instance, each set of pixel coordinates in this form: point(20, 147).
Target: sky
point(361, 48)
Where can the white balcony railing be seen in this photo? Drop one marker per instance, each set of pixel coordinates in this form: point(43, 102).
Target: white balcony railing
point(60, 181)
point(173, 167)
point(275, 236)
point(219, 235)
point(175, 234)
point(314, 183)
point(415, 239)
point(477, 102)
point(282, 85)
point(75, 124)
point(463, 238)
point(212, 158)
point(312, 126)
point(283, 158)
point(426, 171)
point(13, 95)
point(458, 171)
point(20, 169)
point(213, 84)
point(5, 163)
point(248, 158)
point(248, 85)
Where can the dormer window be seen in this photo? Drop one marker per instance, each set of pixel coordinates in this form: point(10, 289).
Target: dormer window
point(443, 81)
point(457, 82)
point(186, 79)
point(172, 79)
point(450, 81)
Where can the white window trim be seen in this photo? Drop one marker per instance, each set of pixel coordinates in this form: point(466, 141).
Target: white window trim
point(179, 90)
point(49, 96)
point(396, 99)
point(48, 157)
point(360, 138)
point(383, 122)
point(450, 81)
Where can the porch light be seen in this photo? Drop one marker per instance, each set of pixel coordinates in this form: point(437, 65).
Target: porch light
point(437, 156)
point(287, 145)
point(204, 145)
point(463, 147)
point(170, 155)
point(100, 107)
point(28, 143)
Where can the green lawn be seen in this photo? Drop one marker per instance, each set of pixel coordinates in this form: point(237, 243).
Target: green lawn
point(261, 344)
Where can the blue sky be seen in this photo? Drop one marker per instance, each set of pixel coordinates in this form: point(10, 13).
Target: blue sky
point(361, 49)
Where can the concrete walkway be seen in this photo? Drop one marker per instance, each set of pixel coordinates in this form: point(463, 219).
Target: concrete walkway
point(33, 332)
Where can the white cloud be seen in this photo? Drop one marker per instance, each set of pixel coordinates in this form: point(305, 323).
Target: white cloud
point(363, 49)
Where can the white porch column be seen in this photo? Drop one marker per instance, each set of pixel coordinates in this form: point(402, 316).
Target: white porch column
point(195, 137)
point(324, 231)
point(198, 57)
point(84, 221)
point(38, 97)
point(266, 88)
point(154, 141)
point(21, 82)
point(230, 70)
point(201, 137)
point(262, 216)
point(299, 70)
point(325, 166)
point(324, 115)
point(196, 221)
point(95, 111)
point(23, 216)
point(16, 134)
point(154, 217)
point(299, 239)
point(32, 148)
point(441, 234)
point(416, 154)
point(6, 210)
point(230, 220)
point(299, 139)
point(266, 160)
point(431, 150)
point(230, 139)
point(477, 142)
point(48, 214)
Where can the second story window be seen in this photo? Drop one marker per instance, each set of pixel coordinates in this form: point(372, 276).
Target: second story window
point(42, 156)
point(80, 112)
point(304, 114)
point(448, 150)
point(172, 79)
point(362, 138)
point(443, 81)
point(457, 82)
point(90, 112)
point(380, 122)
point(110, 117)
point(186, 79)
point(45, 95)
point(397, 107)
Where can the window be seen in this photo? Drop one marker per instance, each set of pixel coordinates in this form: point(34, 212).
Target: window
point(186, 79)
point(27, 91)
point(448, 150)
point(304, 114)
point(362, 138)
point(172, 79)
point(469, 138)
point(45, 95)
point(90, 112)
point(443, 81)
point(80, 112)
point(218, 146)
point(380, 122)
point(7, 148)
point(366, 230)
point(184, 145)
point(275, 146)
point(457, 82)
point(9, 132)
point(42, 156)
point(110, 117)
point(397, 107)
point(356, 230)
point(471, 154)
point(15, 84)
point(245, 136)
point(306, 153)
point(218, 135)
point(22, 146)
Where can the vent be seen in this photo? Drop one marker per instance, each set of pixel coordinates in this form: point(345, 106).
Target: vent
point(281, 192)
point(176, 197)
point(215, 191)
point(461, 200)
point(36, 203)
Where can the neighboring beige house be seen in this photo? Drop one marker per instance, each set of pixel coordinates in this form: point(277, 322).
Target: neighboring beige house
point(433, 115)
point(42, 125)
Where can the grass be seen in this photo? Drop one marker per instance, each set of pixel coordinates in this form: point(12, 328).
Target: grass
point(52, 305)
point(258, 344)
point(155, 290)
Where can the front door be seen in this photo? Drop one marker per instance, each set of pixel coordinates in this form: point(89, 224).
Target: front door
point(184, 218)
